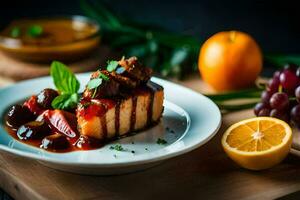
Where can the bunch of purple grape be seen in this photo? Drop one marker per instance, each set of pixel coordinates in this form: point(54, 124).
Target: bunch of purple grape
point(281, 99)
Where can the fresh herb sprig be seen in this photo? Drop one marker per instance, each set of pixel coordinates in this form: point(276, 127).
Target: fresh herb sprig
point(170, 54)
point(166, 52)
point(67, 85)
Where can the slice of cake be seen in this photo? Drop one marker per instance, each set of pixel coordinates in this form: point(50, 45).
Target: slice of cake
point(119, 100)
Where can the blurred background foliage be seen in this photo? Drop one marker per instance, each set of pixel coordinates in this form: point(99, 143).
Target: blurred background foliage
point(167, 34)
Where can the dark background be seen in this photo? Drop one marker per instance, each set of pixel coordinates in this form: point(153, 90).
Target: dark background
point(274, 24)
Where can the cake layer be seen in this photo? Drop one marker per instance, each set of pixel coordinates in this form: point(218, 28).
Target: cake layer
point(109, 118)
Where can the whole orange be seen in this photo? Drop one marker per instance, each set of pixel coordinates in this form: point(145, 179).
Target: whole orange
point(230, 60)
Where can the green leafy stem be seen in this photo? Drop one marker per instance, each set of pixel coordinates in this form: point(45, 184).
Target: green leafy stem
point(153, 45)
point(170, 54)
point(250, 96)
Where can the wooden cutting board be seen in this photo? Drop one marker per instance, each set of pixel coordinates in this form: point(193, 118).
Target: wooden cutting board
point(205, 173)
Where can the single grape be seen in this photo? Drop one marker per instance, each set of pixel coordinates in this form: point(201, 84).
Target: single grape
point(259, 106)
point(298, 72)
point(266, 96)
point(288, 80)
point(273, 85)
point(279, 101)
point(297, 93)
point(295, 115)
point(265, 112)
point(276, 75)
point(279, 115)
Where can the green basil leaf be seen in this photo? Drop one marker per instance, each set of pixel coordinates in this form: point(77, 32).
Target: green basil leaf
point(15, 32)
point(35, 31)
point(65, 101)
point(94, 83)
point(112, 65)
point(64, 80)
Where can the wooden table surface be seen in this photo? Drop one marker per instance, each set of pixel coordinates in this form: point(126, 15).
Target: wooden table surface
point(205, 173)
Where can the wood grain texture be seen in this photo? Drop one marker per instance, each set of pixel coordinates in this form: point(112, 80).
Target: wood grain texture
point(205, 173)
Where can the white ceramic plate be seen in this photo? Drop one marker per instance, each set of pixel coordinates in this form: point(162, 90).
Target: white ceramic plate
point(189, 120)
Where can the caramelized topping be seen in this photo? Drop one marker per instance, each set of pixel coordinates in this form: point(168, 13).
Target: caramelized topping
point(125, 82)
point(129, 74)
point(135, 69)
point(108, 88)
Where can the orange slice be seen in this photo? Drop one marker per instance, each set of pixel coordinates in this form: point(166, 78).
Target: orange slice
point(258, 143)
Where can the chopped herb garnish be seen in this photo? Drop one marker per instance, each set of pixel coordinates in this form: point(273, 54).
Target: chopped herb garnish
point(170, 130)
point(15, 32)
point(120, 70)
point(132, 151)
point(117, 147)
point(85, 104)
point(94, 93)
point(115, 155)
point(35, 31)
point(103, 76)
point(177, 53)
point(161, 141)
point(94, 83)
point(146, 149)
point(112, 65)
